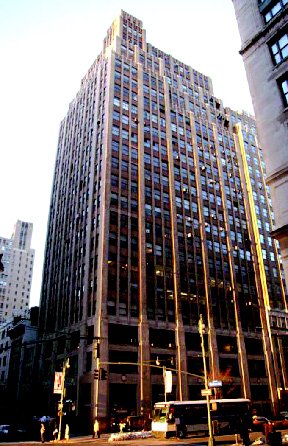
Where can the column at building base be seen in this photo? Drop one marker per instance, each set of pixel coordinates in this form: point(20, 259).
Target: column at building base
point(144, 391)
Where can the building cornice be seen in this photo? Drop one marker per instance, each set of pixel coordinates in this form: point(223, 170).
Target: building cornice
point(280, 233)
point(264, 31)
point(276, 175)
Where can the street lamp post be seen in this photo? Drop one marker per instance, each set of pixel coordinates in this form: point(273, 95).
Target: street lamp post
point(165, 374)
point(201, 328)
point(164, 379)
point(66, 366)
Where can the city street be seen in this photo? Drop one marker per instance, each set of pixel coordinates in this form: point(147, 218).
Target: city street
point(77, 441)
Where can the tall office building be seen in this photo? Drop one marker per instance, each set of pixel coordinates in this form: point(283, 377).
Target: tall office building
point(158, 215)
point(16, 279)
point(263, 29)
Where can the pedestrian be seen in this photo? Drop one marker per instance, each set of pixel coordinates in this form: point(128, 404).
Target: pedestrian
point(55, 433)
point(121, 426)
point(268, 429)
point(96, 429)
point(244, 430)
point(67, 432)
point(42, 433)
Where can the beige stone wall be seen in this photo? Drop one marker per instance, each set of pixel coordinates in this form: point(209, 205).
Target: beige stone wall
point(249, 21)
point(271, 116)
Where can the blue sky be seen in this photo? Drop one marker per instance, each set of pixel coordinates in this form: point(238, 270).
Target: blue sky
point(47, 46)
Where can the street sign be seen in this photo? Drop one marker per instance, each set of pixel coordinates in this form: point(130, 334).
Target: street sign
point(206, 392)
point(58, 382)
point(215, 383)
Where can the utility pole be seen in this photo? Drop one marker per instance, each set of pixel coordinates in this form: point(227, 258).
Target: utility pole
point(164, 378)
point(66, 366)
point(201, 328)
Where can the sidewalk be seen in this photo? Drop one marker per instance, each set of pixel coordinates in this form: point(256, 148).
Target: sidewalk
point(189, 440)
point(226, 440)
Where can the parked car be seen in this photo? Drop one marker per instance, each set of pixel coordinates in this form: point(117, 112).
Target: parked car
point(5, 432)
point(21, 433)
point(136, 423)
point(281, 422)
point(259, 422)
point(14, 432)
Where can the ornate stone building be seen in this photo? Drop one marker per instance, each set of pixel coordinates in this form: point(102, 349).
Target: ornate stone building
point(263, 30)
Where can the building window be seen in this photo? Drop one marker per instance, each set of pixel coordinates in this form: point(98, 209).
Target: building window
point(283, 85)
point(279, 49)
point(274, 10)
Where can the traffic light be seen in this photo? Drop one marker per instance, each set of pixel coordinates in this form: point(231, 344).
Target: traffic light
point(1, 264)
point(97, 350)
point(96, 374)
point(103, 374)
point(60, 409)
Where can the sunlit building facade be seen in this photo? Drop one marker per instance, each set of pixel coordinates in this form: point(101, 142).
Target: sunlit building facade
point(158, 215)
point(16, 279)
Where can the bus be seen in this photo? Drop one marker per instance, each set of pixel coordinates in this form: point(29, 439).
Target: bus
point(178, 418)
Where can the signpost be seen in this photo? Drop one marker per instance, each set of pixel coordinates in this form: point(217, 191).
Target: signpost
point(214, 384)
point(58, 382)
point(168, 380)
point(206, 392)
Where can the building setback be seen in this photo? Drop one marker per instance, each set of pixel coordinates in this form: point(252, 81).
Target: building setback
point(16, 279)
point(263, 31)
point(159, 214)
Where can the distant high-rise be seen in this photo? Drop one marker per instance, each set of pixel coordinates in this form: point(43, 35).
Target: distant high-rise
point(16, 279)
point(263, 26)
point(159, 214)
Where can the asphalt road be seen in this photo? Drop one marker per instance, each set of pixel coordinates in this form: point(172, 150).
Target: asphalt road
point(201, 441)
